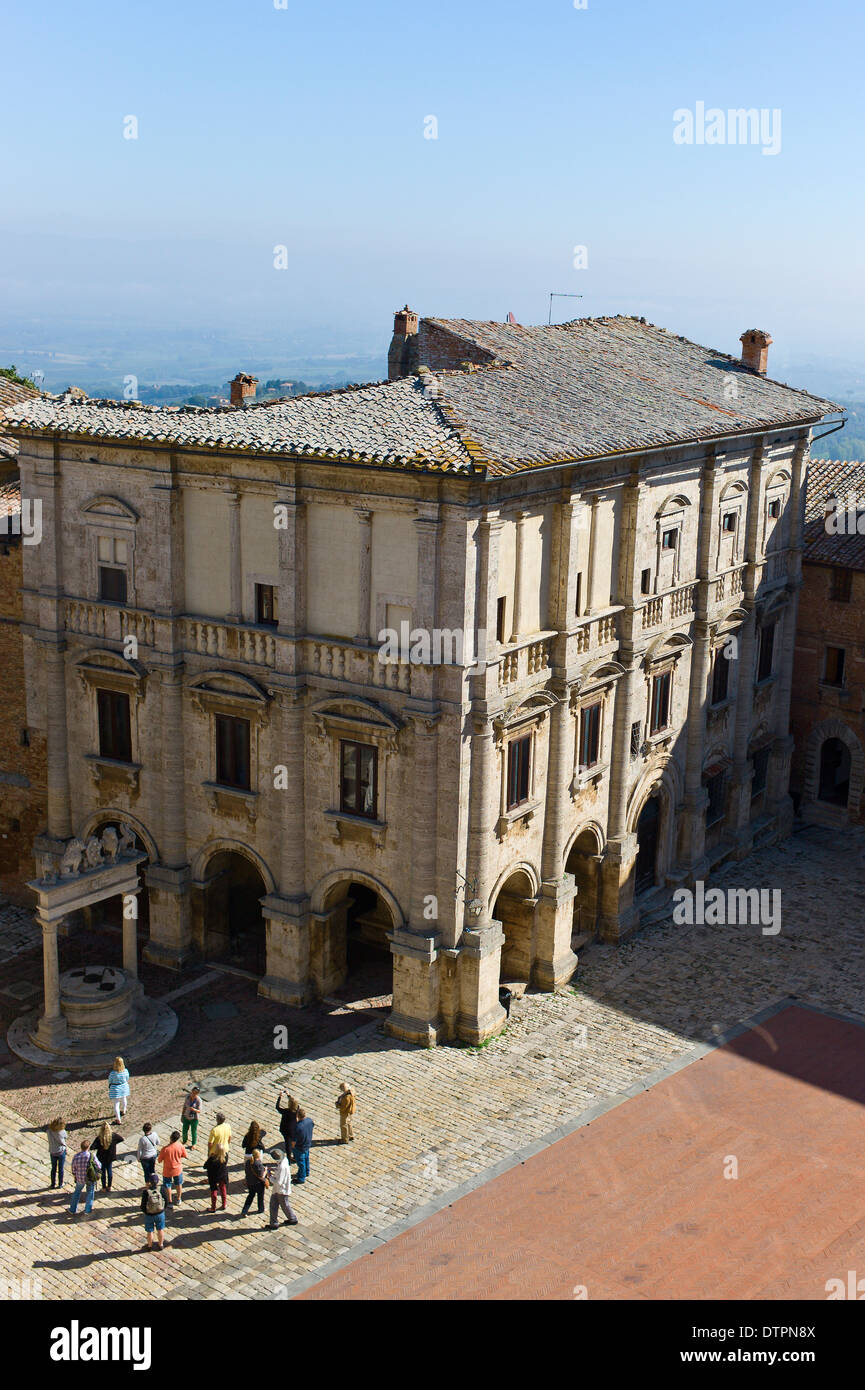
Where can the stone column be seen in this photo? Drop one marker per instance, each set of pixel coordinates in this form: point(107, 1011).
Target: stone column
point(51, 1029)
point(519, 622)
point(480, 1014)
point(364, 576)
point(168, 882)
point(693, 822)
point(292, 565)
point(554, 962)
point(236, 558)
point(618, 915)
point(57, 756)
point(489, 539)
point(591, 604)
point(287, 913)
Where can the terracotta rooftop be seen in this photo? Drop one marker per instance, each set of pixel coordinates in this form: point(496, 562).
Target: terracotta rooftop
point(12, 393)
point(827, 478)
point(535, 396)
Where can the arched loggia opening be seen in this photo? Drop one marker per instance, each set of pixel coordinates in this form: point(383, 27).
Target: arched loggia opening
point(834, 777)
point(232, 925)
point(351, 958)
point(648, 840)
point(584, 862)
point(514, 907)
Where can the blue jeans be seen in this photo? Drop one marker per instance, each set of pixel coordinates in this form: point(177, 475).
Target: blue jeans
point(58, 1163)
point(154, 1222)
point(149, 1166)
point(302, 1160)
point(88, 1202)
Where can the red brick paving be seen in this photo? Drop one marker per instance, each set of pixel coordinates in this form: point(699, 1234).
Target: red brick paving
point(635, 1205)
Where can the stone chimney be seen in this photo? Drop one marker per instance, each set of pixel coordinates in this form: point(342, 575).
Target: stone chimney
point(755, 350)
point(243, 388)
point(399, 357)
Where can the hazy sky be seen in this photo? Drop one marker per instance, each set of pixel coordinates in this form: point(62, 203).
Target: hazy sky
point(304, 126)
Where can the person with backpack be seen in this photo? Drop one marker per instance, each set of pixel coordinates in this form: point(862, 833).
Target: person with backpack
point(171, 1157)
point(191, 1115)
point(85, 1174)
point(346, 1105)
point(148, 1150)
point(57, 1150)
point(105, 1148)
point(257, 1179)
point(302, 1142)
point(153, 1206)
point(216, 1168)
point(118, 1088)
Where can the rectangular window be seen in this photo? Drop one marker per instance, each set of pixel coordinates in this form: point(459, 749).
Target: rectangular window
point(775, 507)
point(590, 734)
point(115, 730)
point(715, 786)
point(767, 647)
point(834, 666)
point(578, 601)
point(761, 768)
point(358, 778)
point(112, 584)
point(669, 539)
point(232, 751)
point(265, 605)
point(661, 686)
point(840, 587)
point(729, 521)
point(519, 763)
point(645, 582)
point(720, 676)
point(501, 609)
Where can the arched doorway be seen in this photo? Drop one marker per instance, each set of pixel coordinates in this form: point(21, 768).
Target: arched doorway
point(233, 927)
point(350, 956)
point(834, 778)
point(584, 862)
point(648, 836)
point(515, 909)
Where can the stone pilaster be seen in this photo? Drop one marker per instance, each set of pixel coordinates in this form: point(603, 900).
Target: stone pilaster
point(692, 828)
point(288, 978)
point(292, 564)
point(364, 574)
point(51, 1029)
point(235, 557)
point(519, 618)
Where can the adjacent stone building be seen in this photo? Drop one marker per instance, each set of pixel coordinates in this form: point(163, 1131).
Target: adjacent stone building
point(828, 702)
point(447, 667)
point(22, 748)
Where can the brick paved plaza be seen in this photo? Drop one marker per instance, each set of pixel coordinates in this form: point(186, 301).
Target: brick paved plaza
point(431, 1123)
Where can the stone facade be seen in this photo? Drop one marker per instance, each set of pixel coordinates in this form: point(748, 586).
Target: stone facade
point(558, 764)
point(828, 699)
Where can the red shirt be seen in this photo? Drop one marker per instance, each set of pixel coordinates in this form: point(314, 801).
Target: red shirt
point(170, 1158)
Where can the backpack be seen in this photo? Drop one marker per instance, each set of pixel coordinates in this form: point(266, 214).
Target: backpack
point(92, 1170)
point(153, 1201)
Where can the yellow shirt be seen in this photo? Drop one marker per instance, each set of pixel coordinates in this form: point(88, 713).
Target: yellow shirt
point(220, 1138)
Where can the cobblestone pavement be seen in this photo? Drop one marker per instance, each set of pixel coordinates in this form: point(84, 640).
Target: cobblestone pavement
point(432, 1120)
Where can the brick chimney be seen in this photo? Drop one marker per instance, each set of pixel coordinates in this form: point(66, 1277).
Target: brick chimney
point(399, 357)
point(755, 350)
point(242, 388)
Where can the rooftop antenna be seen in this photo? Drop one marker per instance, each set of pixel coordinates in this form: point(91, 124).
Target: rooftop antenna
point(555, 295)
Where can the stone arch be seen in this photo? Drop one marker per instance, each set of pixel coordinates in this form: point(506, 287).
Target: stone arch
point(513, 904)
point(583, 859)
point(213, 847)
point(109, 815)
point(818, 736)
point(664, 782)
point(325, 885)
